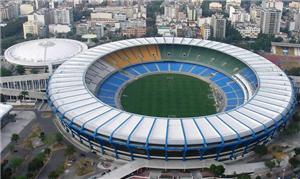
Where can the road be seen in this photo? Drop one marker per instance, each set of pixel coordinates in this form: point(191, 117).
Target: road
point(57, 159)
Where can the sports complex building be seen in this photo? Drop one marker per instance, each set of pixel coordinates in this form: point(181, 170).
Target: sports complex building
point(171, 98)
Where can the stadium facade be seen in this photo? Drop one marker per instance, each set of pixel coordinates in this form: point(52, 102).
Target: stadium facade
point(83, 93)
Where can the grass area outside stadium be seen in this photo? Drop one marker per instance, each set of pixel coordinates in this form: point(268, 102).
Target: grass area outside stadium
point(168, 95)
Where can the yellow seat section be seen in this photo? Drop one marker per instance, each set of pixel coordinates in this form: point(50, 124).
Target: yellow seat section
point(153, 52)
point(145, 53)
point(137, 53)
point(110, 60)
point(119, 61)
point(157, 52)
point(124, 56)
point(131, 56)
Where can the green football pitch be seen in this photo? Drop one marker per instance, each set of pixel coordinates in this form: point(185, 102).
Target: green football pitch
point(168, 95)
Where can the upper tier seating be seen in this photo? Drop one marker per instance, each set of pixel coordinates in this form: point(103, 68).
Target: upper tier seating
point(203, 56)
point(134, 55)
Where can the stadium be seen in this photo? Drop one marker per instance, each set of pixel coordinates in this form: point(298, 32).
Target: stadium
point(171, 99)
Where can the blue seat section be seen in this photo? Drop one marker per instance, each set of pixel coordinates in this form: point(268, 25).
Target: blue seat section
point(163, 66)
point(186, 67)
point(131, 71)
point(217, 76)
point(229, 108)
point(207, 72)
point(109, 87)
point(151, 67)
point(198, 69)
point(232, 102)
point(250, 76)
point(107, 93)
point(233, 92)
point(109, 101)
point(115, 81)
point(140, 68)
point(175, 66)
point(121, 76)
point(231, 95)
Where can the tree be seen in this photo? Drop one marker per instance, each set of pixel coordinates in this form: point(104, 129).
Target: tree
point(261, 150)
point(47, 151)
point(70, 150)
point(277, 39)
point(270, 164)
point(244, 176)
point(34, 71)
point(206, 12)
point(42, 136)
point(278, 161)
point(13, 27)
point(293, 71)
point(20, 177)
point(36, 163)
point(263, 42)
point(294, 162)
point(15, 137)
point(5, 72)
point(15, 162)
point(53, 175)
point(20, 69)
point(23, 95)
point(232, 35)
point(58, 137)
point(217, 170)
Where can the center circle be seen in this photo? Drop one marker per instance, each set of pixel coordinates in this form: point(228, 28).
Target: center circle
point(168, 95)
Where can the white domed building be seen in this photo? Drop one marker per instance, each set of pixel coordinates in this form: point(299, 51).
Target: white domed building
point(44, 53)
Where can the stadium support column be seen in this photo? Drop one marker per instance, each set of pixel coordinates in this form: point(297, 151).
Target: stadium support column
point(50, 68)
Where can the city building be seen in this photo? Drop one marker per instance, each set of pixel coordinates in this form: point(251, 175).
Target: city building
point(218, 23)
point(248, 30)
point(134, 28)
point(215, 6)
point(171, 11)
point(255, 12)
point(270, 20)
point(297, 21)
point(294, 5)
point(203, 20)
point(277, 4)
point(233, 3)
point(26, 9)
point(205, 31)
point(62, 16)
point(59, 28)
point(40, 4)
point(238, 15)
point(42, 16)
point(165, 31)
point(82, 28)
point(289, 49)
point(9, 10)
point(193, 12)
point(34, 28)
point(99, 30)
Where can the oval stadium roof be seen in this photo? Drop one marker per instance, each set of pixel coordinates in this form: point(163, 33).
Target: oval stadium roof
point(70, 96)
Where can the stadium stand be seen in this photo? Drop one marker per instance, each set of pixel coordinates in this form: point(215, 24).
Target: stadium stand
point(82, 93)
